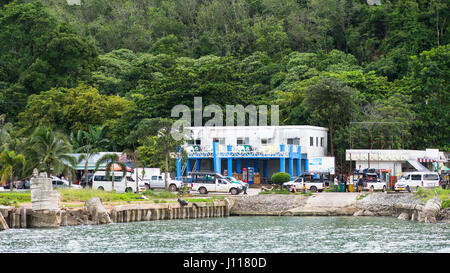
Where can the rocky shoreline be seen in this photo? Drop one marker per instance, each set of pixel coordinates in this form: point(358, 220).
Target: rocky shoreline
point(402, 206)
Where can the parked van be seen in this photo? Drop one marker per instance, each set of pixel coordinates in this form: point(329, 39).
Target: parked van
point(313, 185)
point(205, 182)
point(414, 180)
point(121, 184)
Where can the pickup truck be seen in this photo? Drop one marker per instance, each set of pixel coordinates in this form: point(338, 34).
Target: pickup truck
point(312, 186)
point(205, 182)
point(157, 182)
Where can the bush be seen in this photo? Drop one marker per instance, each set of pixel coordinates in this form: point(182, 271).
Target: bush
point(280, 178)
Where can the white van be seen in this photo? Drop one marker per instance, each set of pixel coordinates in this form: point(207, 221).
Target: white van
point(414, 180)
point(312, 186)
point(121, 184)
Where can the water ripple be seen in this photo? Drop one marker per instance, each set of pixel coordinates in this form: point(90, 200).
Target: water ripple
point(237, 234)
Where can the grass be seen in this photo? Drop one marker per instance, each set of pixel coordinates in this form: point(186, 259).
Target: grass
point(14, 198)
point(82, 195)
point(362, 196)
point(442, 194)
point(71, 195)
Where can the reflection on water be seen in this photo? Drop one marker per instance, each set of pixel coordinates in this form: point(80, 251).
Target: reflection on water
point(251, 234)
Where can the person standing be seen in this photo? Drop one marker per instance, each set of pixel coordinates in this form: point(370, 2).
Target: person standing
point(336, 184)
point(360, 184)
point(346, 183)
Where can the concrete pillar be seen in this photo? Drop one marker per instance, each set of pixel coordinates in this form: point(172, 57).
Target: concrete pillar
point(139, 215)
point(230, 161)
point(291, 161)
point(12, 219)
point(179, 167)
point(64, 218)
point(216, 159)
point(265, 168)
point(198, 163)
point(148, 215)
point(17, 218)
point(188, 166)
point(23, 217)
point(282, 160)
point(299, 160)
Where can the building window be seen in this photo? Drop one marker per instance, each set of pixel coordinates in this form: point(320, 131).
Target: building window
point(243, 140)
point(293, 141)
point(321, 142)
point(317, 141)
point(311, 141)
point(221, 140)
point(198, 142)
point(190, 142)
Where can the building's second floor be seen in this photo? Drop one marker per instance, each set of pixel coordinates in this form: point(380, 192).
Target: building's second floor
point(260, 139)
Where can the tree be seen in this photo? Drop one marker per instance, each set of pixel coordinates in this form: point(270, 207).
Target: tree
point(71, 109)
point(162, 142)
point(280, 178)
point(89, 143)
point(5, 129)
point(428, 81)
point(133, 155)
point(50, 150)
point(10, 162)
point(331, 104)
point(111, 160)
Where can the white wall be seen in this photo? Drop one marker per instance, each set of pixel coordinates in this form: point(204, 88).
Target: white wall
point(278, 134)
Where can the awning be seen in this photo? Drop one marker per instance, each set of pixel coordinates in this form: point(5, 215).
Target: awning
point(425, 160)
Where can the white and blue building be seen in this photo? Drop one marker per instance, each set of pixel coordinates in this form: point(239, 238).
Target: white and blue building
point(267, 149)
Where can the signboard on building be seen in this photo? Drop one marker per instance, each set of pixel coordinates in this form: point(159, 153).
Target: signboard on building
point(321, 164)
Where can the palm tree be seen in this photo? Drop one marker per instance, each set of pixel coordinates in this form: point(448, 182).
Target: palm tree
point(133, 155)
point(110, 160)
point(89, 143)
point(51, 150)
point(10, 162)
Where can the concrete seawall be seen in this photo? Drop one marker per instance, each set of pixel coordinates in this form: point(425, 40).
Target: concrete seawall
point(403, 206)
point(22, 217)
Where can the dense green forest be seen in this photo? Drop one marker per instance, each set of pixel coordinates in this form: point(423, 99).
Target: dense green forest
point(114, 65)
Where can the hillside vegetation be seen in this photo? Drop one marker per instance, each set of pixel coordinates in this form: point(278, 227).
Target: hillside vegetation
point(118, 63)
